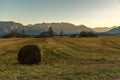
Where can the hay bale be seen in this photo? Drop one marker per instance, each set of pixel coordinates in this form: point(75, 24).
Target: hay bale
point(29, 54)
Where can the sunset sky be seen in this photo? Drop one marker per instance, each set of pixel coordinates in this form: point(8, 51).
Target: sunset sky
point(92, 13)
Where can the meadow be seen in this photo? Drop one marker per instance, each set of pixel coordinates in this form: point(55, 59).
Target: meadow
point(63, 59)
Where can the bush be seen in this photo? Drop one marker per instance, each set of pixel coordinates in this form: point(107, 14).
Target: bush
point(29, 54)
point(73, 36)
point(88, 34)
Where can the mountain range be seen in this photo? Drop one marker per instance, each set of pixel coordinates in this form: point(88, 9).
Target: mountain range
point(67, 28)
point(36, 29)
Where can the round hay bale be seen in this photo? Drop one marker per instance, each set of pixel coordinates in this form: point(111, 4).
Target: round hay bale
point(29, 54)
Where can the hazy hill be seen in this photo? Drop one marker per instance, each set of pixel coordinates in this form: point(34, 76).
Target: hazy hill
point(103, 29)
point(7, 27)
point(68, 28)
point(114, 31)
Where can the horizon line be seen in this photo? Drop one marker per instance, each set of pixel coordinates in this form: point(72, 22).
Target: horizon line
point(58, 22)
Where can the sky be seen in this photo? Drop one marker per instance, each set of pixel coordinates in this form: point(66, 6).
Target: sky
point(92, 13)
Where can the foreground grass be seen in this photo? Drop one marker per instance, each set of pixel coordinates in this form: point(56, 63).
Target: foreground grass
point(63, 59)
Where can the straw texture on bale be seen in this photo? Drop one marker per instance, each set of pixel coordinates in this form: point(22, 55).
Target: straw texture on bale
point(29, 54)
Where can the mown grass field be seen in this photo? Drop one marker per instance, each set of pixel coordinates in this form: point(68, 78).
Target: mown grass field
point(63, 59)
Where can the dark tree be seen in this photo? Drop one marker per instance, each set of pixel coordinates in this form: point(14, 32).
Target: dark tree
point(73, 35)
point(23, 33)
point(50, 32)
point(44, 34)
point(61, 33)
point(88, 34)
